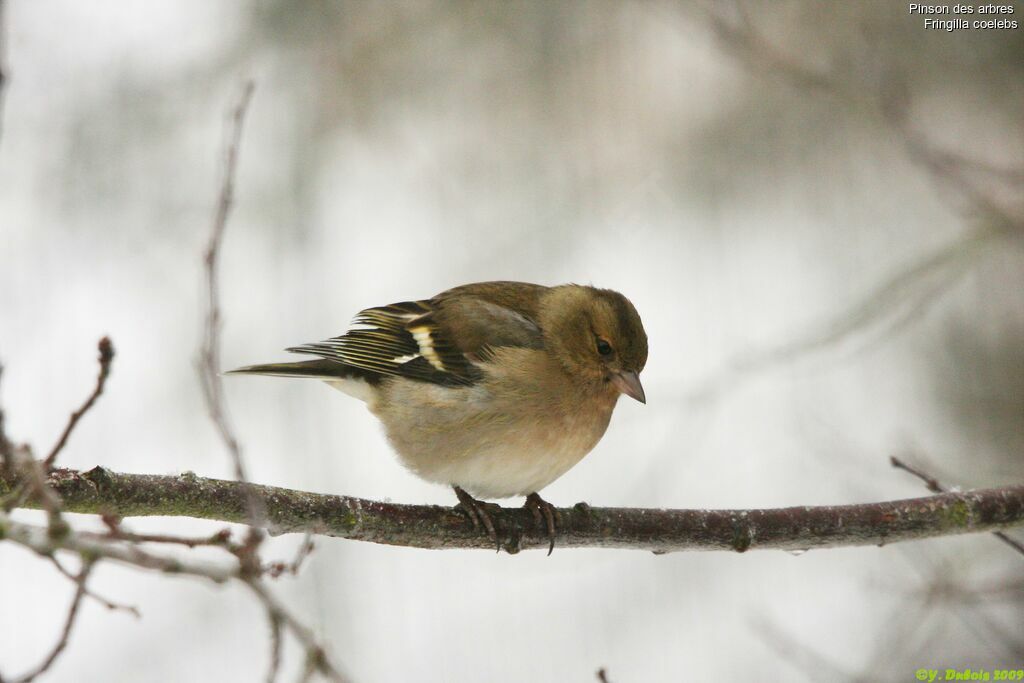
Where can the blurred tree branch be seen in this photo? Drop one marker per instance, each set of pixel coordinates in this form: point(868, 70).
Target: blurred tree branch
point(106, 350)
point(935, 486)
point(4, 77)
point(975, 180)
point(890, 306)
point(989, 196)
point(28, 482)
point(251, 568)
point(100, 491)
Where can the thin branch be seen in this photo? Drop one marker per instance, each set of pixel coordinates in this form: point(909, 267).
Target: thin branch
point(106, 350)
point(18, 461)
point(938, 584)
point(209, 352)
point(316, 657)
point(6, 447)
point(220, 539)
point(884, 310)
point(250, 566)
point(1002, 591)
point(109, 604)
point(209, 355)
point(906, 296)
point(278, 569)
point(930, 482)
point(76, 602)
point(935, 486)
point(3, 64)
point(275, 646)
point(797, 654)
point(100, 491)
point(31, 479)
point(43, 543)
point(949, 169)
point(759, 55)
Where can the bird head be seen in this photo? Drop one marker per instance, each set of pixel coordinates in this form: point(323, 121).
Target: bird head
point(597, 336)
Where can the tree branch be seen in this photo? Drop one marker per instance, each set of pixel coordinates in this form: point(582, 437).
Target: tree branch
point(106, 349)
point(209, 353)
point(935, 486)
point(3, 63)
point(80, 592)
point(100, 491)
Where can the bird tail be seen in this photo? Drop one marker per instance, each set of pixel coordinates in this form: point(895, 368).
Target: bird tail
point(309, 369)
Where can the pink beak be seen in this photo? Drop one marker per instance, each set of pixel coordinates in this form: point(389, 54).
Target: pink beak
point(629, 384)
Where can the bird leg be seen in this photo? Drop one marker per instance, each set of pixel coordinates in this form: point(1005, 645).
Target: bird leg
point(476, 510)
point(544, 515)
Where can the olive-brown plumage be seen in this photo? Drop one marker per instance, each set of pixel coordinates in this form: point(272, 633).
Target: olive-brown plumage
point(494, 388)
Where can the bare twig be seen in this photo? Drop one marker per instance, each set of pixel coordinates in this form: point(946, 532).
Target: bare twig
point(6, 446)
point(316, 657)
point(109, 604)
point(930, 482)
point(80, 592)
point(106, 350)
point(888, 307)
point(31, 479)
point(758, 54)
point(42, 542)
point(3, 64)
point(428, 526)
point(220, 539)
point(908, 295)
point(602, 675)
point(275, 646)
point(31, 474)
point(250, 566)
point(953, 171)
point(940, 584)
point(277, 569)
point(17, 461)
point(799, 655)
point(209, 355)
point(999, 591)
point(949, 169)
point(935, 486)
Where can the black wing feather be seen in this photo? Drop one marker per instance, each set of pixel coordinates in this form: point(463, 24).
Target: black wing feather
point(438, 340)
point(386, 344)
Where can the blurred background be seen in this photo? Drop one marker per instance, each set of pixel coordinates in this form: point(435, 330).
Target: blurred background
point(816, 208)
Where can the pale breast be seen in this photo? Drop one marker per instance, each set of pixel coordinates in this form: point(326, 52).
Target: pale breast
point(507, 436)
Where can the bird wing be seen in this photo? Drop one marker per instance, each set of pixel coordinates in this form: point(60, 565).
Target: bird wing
point(439, 340)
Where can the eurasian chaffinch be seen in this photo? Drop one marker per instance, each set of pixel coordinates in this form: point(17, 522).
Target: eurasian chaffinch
point(494, 388)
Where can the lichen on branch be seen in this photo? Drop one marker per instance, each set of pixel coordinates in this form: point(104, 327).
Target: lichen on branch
point(101, 491)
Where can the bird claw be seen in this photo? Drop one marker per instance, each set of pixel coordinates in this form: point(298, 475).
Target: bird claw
point(477, 512)
point(545, 516)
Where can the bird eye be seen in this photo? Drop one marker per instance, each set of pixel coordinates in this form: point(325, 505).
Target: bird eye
point(603, 347)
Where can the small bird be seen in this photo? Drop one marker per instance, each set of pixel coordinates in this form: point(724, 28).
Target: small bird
point(493, 388)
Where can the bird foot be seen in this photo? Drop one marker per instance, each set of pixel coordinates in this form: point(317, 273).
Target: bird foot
point(479, 513)
point(545, 515)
